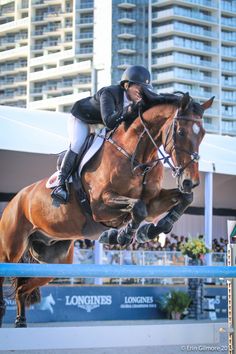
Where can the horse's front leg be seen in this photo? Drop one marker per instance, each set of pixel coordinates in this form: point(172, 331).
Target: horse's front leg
point(138, 212)
point(172, 201)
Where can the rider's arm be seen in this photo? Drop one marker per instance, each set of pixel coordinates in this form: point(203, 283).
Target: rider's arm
point(110, 116)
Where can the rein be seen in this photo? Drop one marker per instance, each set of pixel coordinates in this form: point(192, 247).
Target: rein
point(148, 166)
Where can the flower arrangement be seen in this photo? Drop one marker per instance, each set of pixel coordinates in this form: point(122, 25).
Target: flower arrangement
point(175, 304)
point(194, 249)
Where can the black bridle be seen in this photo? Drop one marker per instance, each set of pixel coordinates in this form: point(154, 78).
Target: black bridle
point(146, 167)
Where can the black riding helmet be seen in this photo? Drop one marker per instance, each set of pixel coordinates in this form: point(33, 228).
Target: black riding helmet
point(137, 74)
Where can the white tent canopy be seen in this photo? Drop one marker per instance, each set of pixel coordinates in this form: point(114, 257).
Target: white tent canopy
point(45, 132)
point(218, 154)
point(24, 130)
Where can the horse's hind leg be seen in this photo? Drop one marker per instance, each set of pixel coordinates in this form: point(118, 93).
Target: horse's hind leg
point(27, 289)
point(27, 293)
point(2, 302)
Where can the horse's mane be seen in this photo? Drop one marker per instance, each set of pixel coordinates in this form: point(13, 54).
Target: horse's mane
point(151, 99)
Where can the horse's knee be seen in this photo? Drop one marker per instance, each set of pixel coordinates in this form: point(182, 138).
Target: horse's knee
point(139, 211)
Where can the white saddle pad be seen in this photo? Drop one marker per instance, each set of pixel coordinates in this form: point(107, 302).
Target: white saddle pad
point(98, 141)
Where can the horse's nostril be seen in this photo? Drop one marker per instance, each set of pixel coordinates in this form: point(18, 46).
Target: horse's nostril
point(187, 183)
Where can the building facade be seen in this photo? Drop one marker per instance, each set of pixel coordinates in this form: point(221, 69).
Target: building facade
point(54, 52)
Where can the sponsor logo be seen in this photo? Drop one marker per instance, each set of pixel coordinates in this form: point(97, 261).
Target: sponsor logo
point(46, 304)
point(88, 302)
point(138, 302)
point(10, 303)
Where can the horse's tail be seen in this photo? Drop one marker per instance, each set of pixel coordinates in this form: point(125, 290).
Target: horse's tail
point(32, 297)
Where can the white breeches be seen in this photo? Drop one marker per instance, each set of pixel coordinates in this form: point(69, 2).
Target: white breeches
point(78, 132)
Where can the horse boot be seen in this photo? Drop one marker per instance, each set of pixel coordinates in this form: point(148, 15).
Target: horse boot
point(61, 193)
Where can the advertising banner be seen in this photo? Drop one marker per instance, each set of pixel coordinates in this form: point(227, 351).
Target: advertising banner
point(96, 303)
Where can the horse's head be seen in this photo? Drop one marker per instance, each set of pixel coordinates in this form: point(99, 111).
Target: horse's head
point(181, 139)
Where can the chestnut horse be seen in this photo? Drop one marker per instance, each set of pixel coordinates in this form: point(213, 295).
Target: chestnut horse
point(123, 183)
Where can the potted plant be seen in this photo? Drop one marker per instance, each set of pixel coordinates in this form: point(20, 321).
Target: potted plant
point(195, 249)
point(176, 304)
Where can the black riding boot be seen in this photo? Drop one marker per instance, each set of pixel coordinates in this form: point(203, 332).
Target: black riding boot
point(60, 193)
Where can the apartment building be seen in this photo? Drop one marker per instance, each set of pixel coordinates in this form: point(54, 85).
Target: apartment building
point(193, 48)
point(53, 52)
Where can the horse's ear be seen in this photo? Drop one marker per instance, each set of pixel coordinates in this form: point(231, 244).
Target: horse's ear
point(185, 102)
point(208, 103)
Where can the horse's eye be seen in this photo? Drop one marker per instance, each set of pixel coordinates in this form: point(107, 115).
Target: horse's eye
point(181, 132)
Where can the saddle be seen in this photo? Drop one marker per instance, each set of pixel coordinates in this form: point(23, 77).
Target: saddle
point(91, 146)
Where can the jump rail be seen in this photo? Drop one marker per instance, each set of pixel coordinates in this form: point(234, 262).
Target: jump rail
point(113, 271)
point(107, 336)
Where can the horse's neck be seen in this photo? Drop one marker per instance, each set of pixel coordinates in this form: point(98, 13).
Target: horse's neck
point(155, 120)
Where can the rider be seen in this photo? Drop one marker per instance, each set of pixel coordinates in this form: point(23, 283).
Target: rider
point(109, 106)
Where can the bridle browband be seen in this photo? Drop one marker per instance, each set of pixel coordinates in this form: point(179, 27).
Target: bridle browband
point(148, 166)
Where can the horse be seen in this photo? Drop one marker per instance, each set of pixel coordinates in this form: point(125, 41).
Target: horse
point(123, 185)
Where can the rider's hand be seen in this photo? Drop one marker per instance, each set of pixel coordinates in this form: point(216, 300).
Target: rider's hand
point(134, 93)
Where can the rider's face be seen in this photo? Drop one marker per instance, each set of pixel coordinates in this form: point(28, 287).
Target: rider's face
point(133, 92)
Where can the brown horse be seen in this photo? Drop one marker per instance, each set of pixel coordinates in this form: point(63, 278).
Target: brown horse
point(123, 183)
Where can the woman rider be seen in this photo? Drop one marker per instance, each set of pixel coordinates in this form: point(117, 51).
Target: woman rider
point(109, 106)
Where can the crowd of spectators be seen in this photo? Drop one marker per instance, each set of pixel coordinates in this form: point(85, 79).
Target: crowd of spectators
point(173, 243)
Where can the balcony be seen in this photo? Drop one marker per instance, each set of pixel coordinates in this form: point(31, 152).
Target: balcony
point(52, 16)
point(85, 50)
point(228, 22)
point(228, 113)
point(85, 37)
point(183, 60)
point(186, 44)
point(211, 127)
point(204, 3)
point(189, 30)
point(85, 21)
point(184, 75)
point(82, 81)
point(228, 66)
point(127, 49)
point(228, 6)
point(85, 7)
point(127, 18)
point(229, 97)
point(229, 128)
point(230, 84)
point(124, 63)
point(39, 18)
point(52, 30)
point(228, 37)
point(180, 12)
point(38, 2)
point(127, 34)
point(127, 4)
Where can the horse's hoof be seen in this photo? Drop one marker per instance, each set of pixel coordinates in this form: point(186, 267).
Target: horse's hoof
point(109, 237)
point(20, 324)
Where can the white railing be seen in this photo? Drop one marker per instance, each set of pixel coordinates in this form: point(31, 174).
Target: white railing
point(140, 258)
